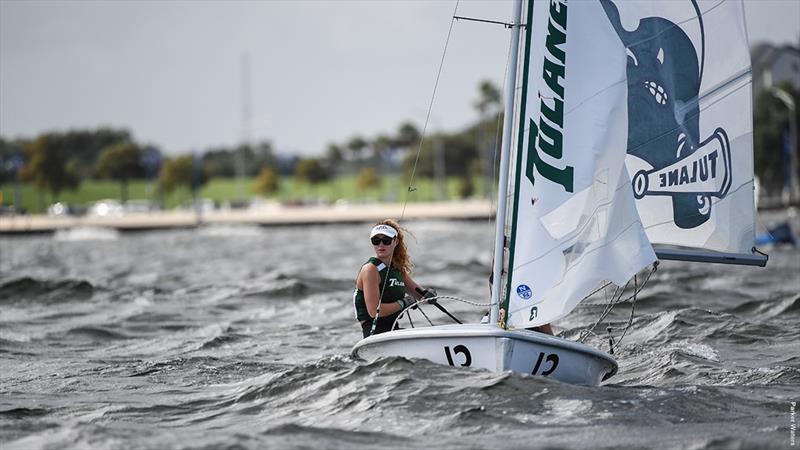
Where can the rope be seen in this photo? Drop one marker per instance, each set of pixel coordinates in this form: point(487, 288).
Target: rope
point(425, 316)
point(618, 292)
point(630, 318)
point(411, 187)
point(441, 297)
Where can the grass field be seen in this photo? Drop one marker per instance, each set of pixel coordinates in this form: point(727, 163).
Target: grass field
point(220, 190)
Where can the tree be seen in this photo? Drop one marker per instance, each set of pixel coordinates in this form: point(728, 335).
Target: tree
point(356, 145)
point(368, 178)
point(408, 135)
point(121, 162)
point(381, 146)
point(49, 165)
point(181, 171)
point(334, 155)
point(221, 161)
point(466, 188)
point(310, 170)
point(459, 153)
point(489, 97)
point(487, 104)
point(268, 181)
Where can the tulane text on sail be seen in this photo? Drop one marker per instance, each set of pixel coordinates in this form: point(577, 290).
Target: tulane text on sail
point(548, 135)
point(690, 174)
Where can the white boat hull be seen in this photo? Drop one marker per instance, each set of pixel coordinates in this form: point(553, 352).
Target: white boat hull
point(490, 347)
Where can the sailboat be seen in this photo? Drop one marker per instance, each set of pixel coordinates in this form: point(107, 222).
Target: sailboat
point(601, 90)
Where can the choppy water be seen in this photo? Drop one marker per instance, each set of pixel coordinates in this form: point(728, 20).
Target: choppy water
point(238, 337)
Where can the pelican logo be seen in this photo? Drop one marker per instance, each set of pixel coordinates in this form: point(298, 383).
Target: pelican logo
point(664, 75)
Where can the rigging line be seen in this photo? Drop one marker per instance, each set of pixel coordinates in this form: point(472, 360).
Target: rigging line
point(380, 297)
point(448, 297)
point(496, 22)
point(411, 188)
point(618, 291)
point(630, 318)
point(383, 290)
point(636, 290)
point(425, 316)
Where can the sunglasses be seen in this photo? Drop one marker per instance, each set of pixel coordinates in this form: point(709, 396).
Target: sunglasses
point(377, 241)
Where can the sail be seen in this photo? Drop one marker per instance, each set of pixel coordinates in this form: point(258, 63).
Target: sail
point(574, 222)
point(690, 145)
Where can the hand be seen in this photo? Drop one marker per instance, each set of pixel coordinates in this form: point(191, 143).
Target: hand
point(407, 301)
point(430, 295)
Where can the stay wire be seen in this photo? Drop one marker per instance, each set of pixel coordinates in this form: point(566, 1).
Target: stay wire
point(630, 318)
point(411, 187)
point(616, 299)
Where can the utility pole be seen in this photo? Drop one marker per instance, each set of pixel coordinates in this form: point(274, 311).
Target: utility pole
point(246, 117)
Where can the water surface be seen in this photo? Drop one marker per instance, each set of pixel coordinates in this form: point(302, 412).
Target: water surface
point(239, 337)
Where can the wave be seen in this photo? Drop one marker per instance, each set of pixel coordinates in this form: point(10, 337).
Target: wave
point(47, 291)
point(781, 303)
point(97, 333)
point(295, 287)
point(21, 413)
point(300, 436)
point(86, 233)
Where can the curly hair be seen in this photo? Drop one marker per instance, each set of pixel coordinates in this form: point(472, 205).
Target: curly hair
point(400, 258)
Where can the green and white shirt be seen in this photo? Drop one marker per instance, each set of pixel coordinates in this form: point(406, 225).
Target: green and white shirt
point(390, 291)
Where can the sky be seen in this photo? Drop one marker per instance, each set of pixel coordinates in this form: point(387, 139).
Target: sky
point(320, 71)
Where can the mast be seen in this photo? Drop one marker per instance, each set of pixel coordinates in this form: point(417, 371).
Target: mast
point(502, 192)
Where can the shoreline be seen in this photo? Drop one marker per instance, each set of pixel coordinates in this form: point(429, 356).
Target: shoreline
point(272, 215)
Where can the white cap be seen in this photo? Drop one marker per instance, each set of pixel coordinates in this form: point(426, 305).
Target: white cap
point(385, 230)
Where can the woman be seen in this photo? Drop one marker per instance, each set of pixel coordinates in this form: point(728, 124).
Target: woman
point(384, 280)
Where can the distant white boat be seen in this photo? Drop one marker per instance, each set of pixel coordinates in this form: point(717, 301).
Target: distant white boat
point(660, 90)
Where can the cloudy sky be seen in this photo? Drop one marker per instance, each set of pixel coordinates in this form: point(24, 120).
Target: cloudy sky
point(320, 71)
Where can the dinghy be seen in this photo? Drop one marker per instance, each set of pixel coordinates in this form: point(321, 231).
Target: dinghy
point(659, 90)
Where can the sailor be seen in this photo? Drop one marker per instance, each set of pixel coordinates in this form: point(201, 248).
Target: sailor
point(386, 276)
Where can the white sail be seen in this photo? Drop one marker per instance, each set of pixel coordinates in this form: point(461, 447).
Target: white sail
point(574, 223)
point(690, 146)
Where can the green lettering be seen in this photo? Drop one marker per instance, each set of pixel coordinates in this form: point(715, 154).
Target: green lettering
point(555, 115)
point(564, 176)
point(555, 37)
point(558, 11)
point(551, 72)
point(556, 148)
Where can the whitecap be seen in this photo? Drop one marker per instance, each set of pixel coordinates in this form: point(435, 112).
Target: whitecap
point(86, 234)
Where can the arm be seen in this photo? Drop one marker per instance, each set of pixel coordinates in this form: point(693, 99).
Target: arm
point(369, 281)
point(412, 288)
